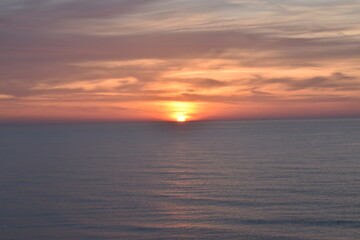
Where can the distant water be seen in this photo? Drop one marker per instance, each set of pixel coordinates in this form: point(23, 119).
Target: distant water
point(250, 180)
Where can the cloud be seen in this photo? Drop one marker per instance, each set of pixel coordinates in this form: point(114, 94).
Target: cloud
point(103, 84)
point(6, 96)
point(336, 81)
point(122, 52)
point(44, 15)
point(205, 83)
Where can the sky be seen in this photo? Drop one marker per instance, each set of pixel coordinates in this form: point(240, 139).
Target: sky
point(150, 60)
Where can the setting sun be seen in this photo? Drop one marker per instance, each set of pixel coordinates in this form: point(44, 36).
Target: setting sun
point(181, 119)
point(180, 111)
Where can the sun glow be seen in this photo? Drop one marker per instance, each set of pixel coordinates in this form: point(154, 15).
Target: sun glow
point(181, 119)
point(180, 111)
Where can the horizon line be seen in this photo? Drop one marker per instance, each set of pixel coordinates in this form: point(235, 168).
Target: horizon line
point(83, 121)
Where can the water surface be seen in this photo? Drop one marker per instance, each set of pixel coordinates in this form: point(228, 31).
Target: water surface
point(251, 180)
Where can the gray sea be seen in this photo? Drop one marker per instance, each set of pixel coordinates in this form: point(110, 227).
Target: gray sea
point(250, 180)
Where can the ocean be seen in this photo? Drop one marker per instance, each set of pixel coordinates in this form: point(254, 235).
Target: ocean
point(243, 180)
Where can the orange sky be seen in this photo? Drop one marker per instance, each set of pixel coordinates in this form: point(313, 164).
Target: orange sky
point(90, 60)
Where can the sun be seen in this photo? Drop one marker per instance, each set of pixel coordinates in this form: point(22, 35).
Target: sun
point(180, 111)
point(181, 119)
